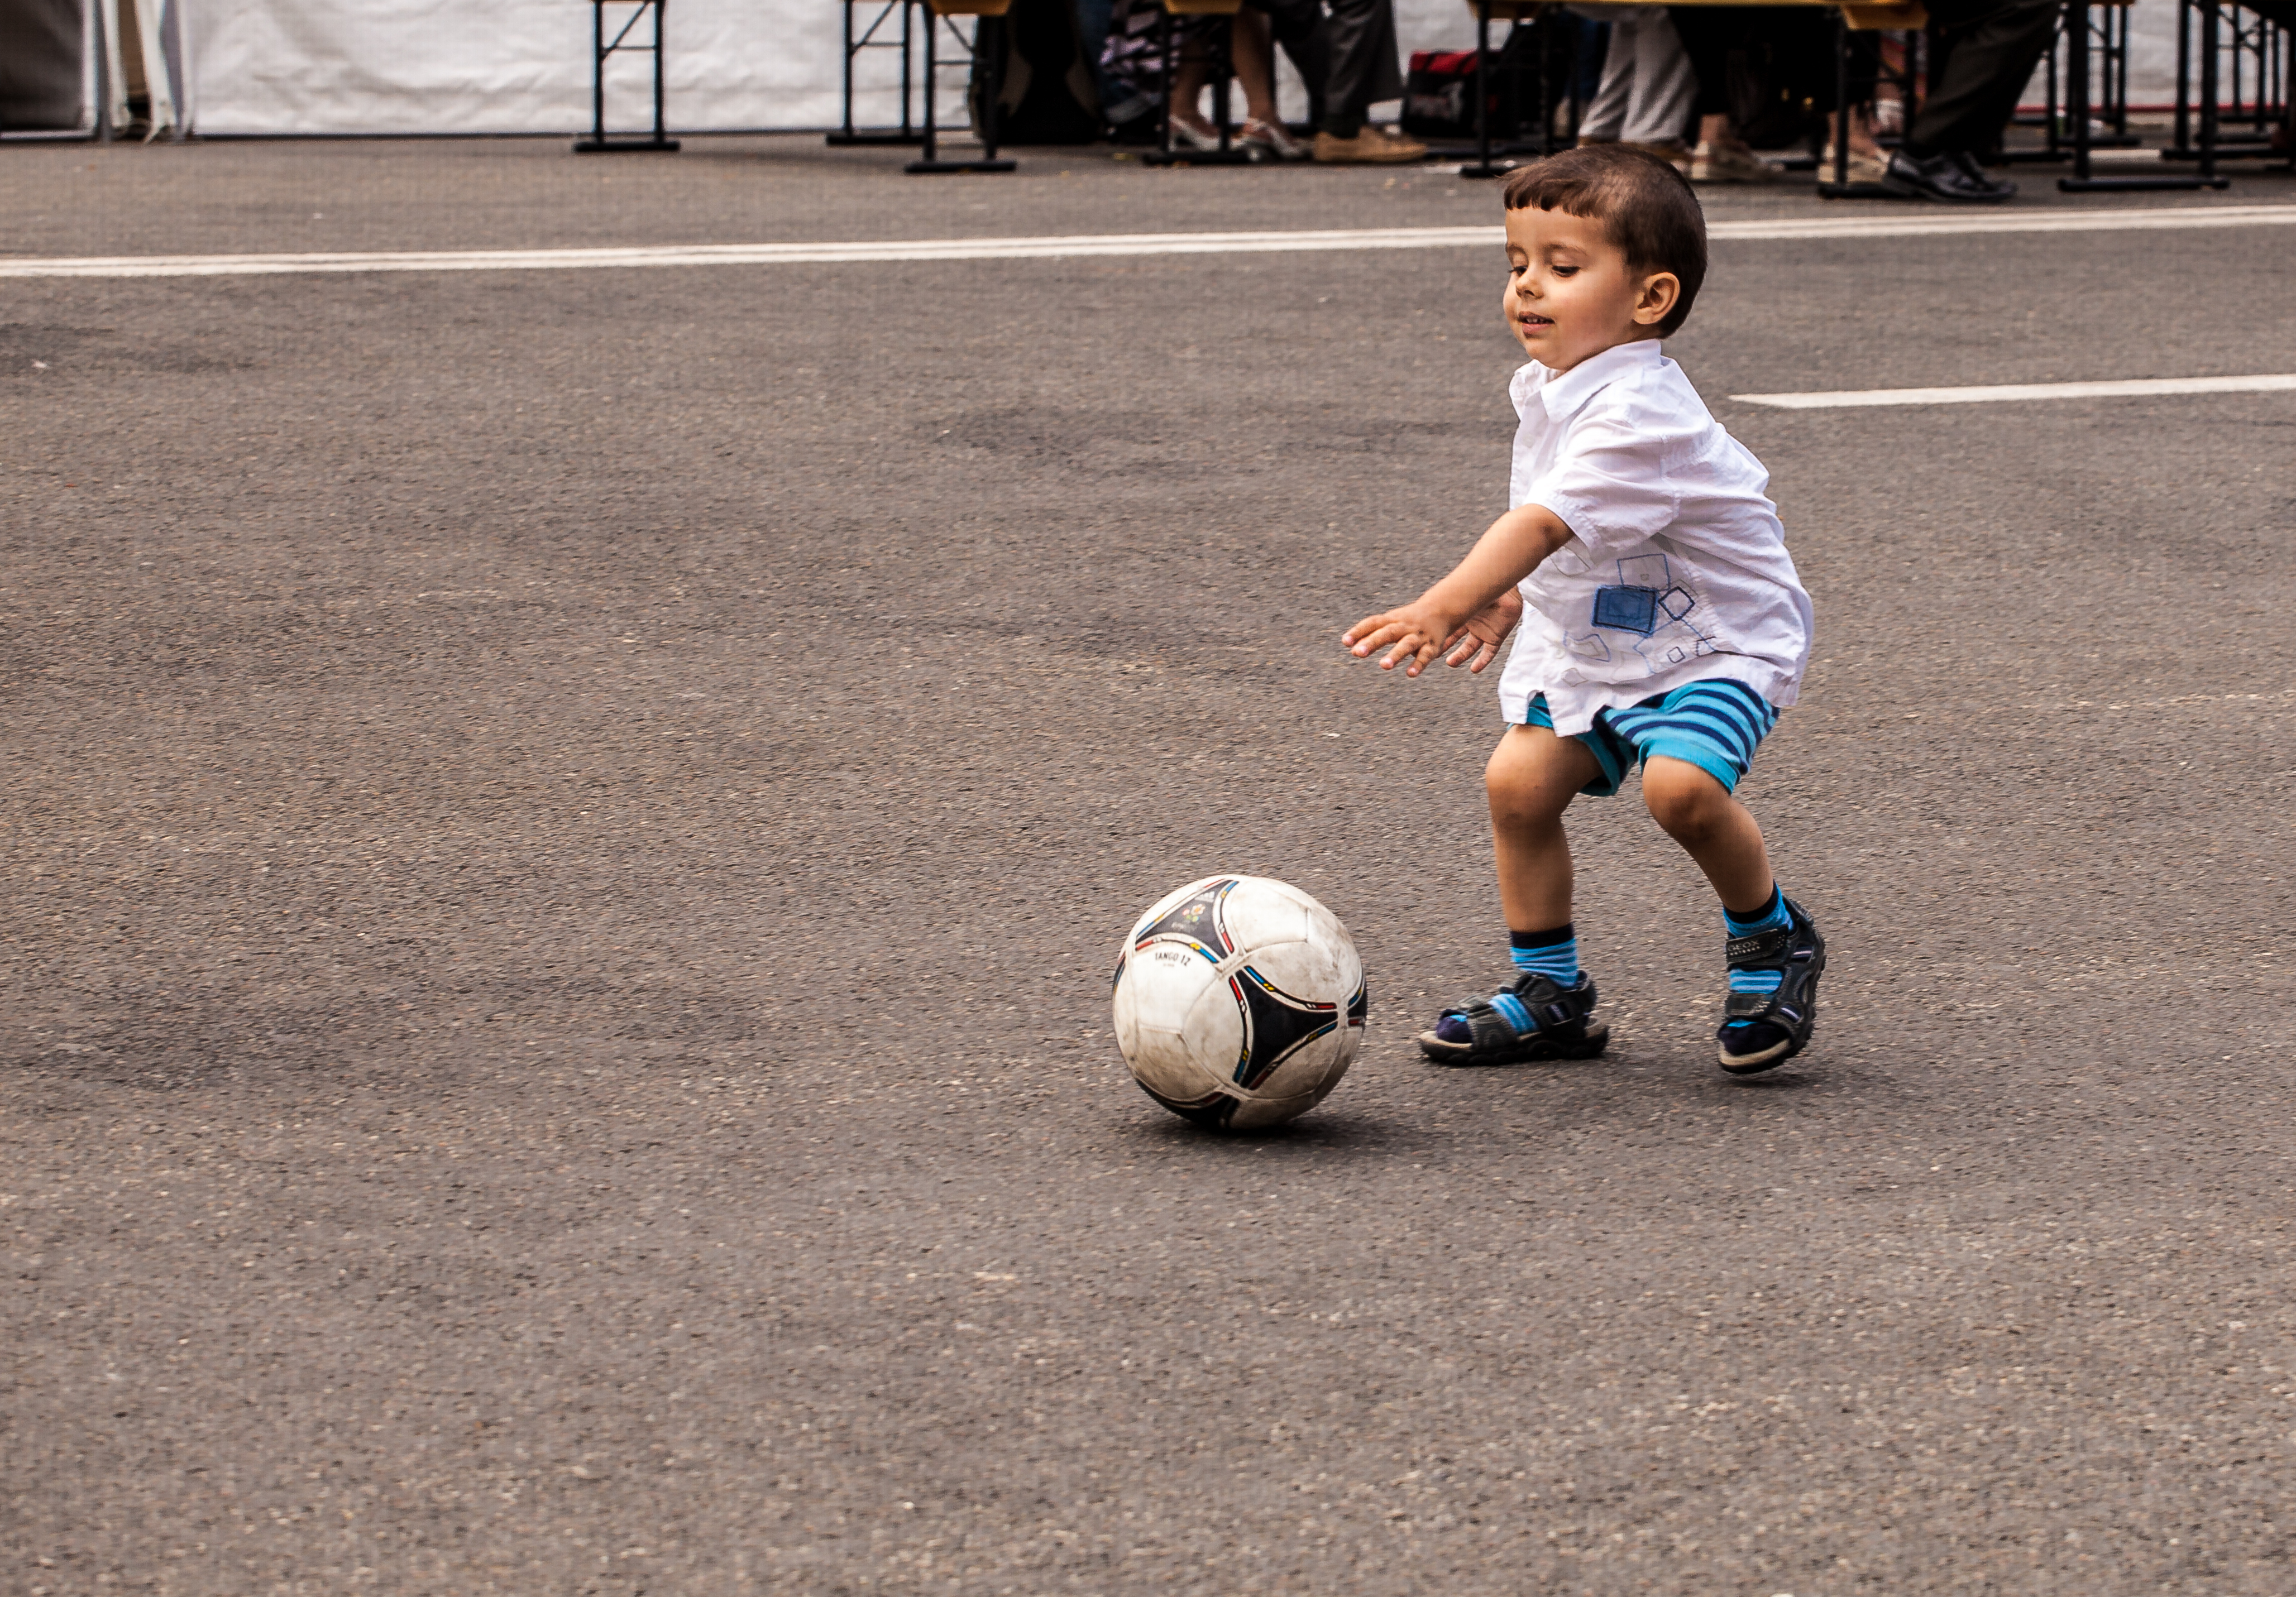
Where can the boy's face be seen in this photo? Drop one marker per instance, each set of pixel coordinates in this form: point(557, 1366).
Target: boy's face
point(1569, 292)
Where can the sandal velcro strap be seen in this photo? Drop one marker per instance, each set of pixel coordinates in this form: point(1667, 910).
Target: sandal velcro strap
point(1786, 1006)
point(1489, 1028)
point(1554, 1010)
point(1763, 951)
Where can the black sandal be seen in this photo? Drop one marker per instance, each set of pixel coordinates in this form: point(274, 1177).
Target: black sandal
point(1779, 1023)
point(1563, 1027)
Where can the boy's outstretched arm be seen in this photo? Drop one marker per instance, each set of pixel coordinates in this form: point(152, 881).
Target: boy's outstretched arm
point(1420, 631)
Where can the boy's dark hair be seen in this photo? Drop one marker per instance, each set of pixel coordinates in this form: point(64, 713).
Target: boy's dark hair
point(1649, 209)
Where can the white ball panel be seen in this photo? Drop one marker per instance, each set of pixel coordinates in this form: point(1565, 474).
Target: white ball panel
point(1317, 970)
point(1258, 912)
point(1165, 987)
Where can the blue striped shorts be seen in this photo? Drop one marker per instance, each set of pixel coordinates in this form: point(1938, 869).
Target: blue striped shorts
point(1715, 726)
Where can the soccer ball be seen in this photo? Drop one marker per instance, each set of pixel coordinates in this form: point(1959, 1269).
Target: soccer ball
point(1239, 1001)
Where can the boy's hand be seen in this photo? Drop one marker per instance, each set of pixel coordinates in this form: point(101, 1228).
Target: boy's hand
point(1470, 612)
point(1478, 643)
point(1418, 632)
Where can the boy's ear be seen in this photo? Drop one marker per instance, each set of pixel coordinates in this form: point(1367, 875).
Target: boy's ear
point(1660, 291)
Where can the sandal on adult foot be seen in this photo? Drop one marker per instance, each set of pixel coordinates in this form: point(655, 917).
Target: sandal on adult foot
point(1760, 1031)
point(1561, 1027)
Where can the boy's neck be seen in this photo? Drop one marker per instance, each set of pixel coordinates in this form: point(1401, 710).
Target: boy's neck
point(1639, 336)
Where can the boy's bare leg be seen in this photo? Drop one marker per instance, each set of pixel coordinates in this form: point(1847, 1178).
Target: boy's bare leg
point(1697, 812)
point(1530, 780)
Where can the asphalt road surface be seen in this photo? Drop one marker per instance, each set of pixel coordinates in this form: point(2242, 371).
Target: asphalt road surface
point(568, 831)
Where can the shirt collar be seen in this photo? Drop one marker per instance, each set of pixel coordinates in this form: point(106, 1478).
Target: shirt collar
point(1565, 394)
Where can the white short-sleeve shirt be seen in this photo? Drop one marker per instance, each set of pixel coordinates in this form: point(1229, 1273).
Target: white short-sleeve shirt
point(1676, 571)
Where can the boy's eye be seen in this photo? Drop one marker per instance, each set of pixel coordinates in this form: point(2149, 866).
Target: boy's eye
point(1564, 271)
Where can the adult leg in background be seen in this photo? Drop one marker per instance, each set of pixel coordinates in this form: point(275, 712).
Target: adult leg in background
point(1986, 50)
point(1664, 94)
point(1251, 47)
point(1092, 37)
point(1709, 35)
point(1363, 69)
point(1605, 119)
point(1648, 90)
point(1297, 27)
point(1191, 71)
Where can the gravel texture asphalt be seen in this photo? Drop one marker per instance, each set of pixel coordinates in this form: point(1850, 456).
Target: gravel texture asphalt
point(569, 829)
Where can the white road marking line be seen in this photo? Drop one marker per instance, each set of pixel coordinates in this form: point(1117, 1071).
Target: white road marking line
point(1922, 222)
point(1851, 398)
point(1910, 223)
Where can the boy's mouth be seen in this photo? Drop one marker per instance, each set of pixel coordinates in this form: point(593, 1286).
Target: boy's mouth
point(1531, 323)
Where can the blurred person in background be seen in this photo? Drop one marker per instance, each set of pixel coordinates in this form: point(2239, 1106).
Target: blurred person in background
point(1251, 52)
point(1649, 90)
point(1745, 56)
point(1346, 56)
point(1983, 55)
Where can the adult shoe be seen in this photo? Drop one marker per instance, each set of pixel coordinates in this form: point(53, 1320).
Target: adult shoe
point(1274, 138)
point(1370, 146)
point(1726, 160)
point(1866, 166)
point(1936, 178)
point(1971, 169)
point(1194, 133)
point(1672, 152)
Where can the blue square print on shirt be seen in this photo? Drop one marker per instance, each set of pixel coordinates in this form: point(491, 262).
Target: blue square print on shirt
point(1626, 609)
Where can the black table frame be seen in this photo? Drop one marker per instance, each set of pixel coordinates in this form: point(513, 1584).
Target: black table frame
point(2108, 44)
point(906, 133)
point(987, 49)
point(1483, 166)
point(2083, 178)
point(600, 143)
point(2223, 148)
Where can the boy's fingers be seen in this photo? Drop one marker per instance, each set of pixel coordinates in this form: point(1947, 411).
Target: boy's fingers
point(1363, 642)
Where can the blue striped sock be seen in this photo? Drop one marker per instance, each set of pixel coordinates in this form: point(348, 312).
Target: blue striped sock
point(1553, 955)
point(1771, 917)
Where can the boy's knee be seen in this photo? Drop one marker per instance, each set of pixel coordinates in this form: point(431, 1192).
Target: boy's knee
point(1518, 795)
point(1682, 798)
point(1508, 793)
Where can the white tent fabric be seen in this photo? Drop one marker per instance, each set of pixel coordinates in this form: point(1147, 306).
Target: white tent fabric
point(523, 66)
point(513, 66)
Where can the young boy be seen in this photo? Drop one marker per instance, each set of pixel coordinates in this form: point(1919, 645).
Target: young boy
point(1666, 623)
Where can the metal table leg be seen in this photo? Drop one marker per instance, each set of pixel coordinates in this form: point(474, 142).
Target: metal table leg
point(2083, 179)
point(985, 38)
